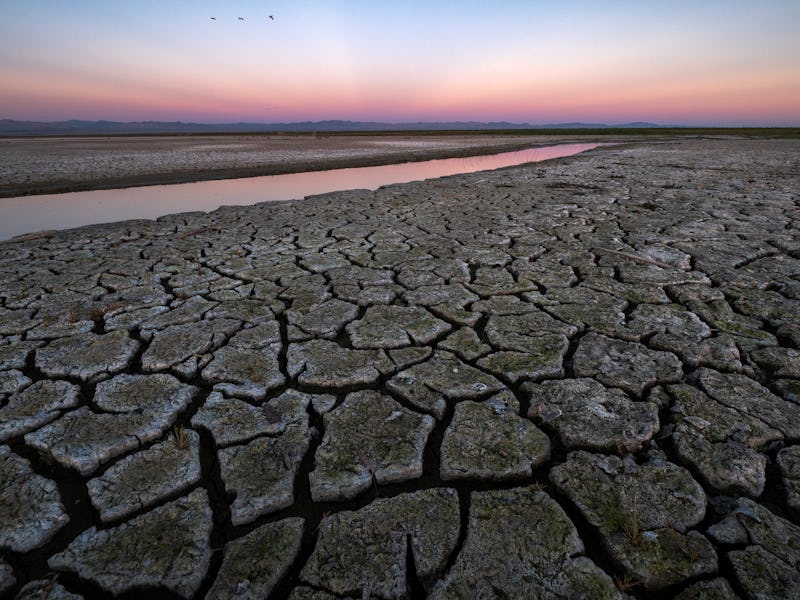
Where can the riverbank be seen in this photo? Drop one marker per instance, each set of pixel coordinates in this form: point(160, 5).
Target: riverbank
point(25, 214)
point(31, 166)
point(578, 378)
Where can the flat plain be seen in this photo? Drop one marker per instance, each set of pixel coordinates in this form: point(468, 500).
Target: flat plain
point(570, 379)
point(45, 165)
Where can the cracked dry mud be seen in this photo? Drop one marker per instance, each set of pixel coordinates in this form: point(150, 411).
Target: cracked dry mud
point(572, 379)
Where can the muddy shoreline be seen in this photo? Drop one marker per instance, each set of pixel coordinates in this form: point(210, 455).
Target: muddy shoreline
point(63, 164)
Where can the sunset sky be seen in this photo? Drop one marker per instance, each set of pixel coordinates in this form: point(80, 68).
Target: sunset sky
point(689, 62)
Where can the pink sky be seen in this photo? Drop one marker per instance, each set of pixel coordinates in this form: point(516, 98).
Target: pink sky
point(722, 63)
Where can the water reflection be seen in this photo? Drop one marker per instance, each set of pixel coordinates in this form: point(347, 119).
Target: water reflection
point(60, 211)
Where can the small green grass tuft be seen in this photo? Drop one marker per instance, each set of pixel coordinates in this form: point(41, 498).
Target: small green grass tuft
point(631, 528)
point(626, 583)
point(180, 437)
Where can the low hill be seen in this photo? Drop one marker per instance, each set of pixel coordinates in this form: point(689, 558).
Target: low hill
point(10, 127)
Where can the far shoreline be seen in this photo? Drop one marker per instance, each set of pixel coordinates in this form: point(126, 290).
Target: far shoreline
point(53, 184)
point(37, 165)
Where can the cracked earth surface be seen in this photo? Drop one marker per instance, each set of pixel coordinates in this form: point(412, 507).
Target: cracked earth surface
point(572, 379)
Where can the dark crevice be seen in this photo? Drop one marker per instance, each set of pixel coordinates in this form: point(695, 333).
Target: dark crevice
point(568, 362)
point(75, 498)
point(593, 545)
point(414, 585)
point(303, 506)
point(464, 512)
point(220, 506)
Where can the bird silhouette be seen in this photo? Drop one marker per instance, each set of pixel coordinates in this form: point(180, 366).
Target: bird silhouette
point(241, 18)
point(213, 18)
point(271, 18)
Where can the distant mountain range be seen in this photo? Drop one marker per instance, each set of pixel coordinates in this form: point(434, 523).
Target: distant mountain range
point(10, 127)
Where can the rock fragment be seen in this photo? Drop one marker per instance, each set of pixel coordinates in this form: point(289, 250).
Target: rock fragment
point(88, 356)
point(723, 444)
point(712, 589)
point(322, 320)
point(36, 405)
point(367, 553)
point(254, 564)
point(768, 566)
point(326, 364)
point(182, 312)
point(177, 344)
point(429, 385)
point(465, 343)
point(370, 439)
point(520, 544)
point(395, 327)
point(789, 463)
point(629, 366)
point(761, 575)
point(140, 408)
point(586, 415)
point(245, 372)
point(31, 512)
point(585, 307)
point(261, 474)
point(482, 444)
point(15, 356)
point(748, 397)
point(11, 382)
point(145, 478)
point(165, 548)
point(231, 421)
point(643, 514)
point(45, 589)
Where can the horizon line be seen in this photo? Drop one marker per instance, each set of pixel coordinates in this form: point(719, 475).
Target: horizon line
point(411, 122)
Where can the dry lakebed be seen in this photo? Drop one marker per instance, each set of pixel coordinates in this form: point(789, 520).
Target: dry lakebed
point(571, 379)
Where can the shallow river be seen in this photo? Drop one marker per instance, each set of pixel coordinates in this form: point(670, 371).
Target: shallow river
point(25, 214)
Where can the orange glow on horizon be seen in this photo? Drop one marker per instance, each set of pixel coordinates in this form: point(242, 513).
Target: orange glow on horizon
point(523, 62)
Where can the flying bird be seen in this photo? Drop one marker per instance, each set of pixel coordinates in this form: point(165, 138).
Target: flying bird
point(271, 18)
point(213, 18)
point(241, 18)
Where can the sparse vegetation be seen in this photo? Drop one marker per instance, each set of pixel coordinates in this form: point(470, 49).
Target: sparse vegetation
point(626, 583)
point(631, 528)
point(180, 437)
point(99, 312)
point(46, 458)
point(324, 516)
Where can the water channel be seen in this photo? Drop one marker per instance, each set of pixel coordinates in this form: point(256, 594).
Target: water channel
point(25, 214)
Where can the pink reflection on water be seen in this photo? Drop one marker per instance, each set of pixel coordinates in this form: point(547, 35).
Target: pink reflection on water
point(61, 211)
